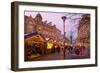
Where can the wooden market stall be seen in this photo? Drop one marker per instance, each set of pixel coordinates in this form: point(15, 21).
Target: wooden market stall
point(34, 45)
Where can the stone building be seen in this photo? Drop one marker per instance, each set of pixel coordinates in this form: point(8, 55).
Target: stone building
point(84, 31)
point(48, 30)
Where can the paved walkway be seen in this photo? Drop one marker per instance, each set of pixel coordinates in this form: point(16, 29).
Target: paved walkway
point(60, 56)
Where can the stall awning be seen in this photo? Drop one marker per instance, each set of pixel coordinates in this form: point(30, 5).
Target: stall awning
point(34, 37)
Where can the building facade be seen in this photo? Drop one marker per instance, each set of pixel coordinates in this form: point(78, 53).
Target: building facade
point(84, 31)
point(48, 30)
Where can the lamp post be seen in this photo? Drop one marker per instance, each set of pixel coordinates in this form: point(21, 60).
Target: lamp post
point(64, 18)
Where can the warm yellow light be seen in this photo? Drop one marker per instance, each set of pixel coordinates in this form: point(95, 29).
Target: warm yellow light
point(49, 45)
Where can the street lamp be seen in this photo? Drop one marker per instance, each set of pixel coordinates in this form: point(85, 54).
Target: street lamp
point(64, 18)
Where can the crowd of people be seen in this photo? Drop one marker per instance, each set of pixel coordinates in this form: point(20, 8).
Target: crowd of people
point(77, 50)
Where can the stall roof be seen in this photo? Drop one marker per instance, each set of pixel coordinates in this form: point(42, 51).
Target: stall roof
point(32, 34)
point(35, 36)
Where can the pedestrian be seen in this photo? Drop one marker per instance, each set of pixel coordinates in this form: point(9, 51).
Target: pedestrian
point(77, 52)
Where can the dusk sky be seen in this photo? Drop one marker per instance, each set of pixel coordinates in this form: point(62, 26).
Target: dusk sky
point(55, 18)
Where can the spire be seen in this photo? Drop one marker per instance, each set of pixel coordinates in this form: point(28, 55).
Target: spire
point(39, 16)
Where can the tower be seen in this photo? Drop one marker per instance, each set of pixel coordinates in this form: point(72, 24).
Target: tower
point(38, 18)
